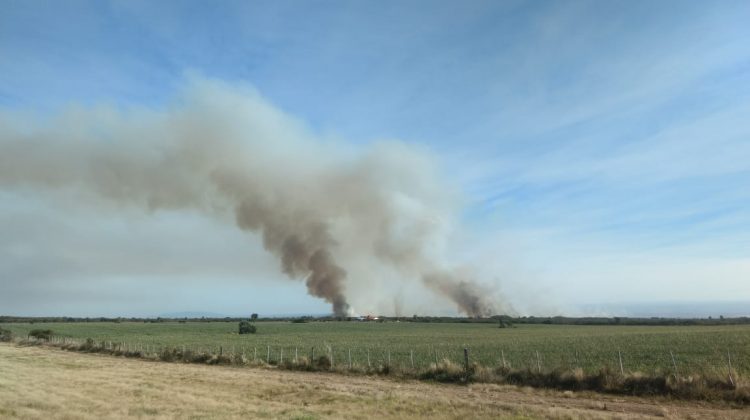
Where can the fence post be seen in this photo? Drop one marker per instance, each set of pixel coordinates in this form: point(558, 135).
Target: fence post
point(538, 362)
point(729, 362)
point(295, 355)
point(619, 355)
point(268, 355)
point(674, 363)
point(368, 359)
point(281, 356)
point(411, 357)
point(502, 353)
point(466, 362)
point(350, 359)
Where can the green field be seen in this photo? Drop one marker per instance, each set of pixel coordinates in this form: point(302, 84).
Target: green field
point(698, 349)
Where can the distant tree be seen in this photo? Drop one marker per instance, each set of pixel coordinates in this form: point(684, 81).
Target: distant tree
point(247, 328)
point(254, 317)
point(505, 322)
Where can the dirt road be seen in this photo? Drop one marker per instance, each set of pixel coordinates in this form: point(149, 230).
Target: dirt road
point(49, 383)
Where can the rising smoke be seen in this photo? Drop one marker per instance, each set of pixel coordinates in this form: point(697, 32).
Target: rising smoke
point(333, 215)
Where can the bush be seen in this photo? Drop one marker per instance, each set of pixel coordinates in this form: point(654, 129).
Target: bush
point(41, 334)
point(6, 335)
point(322, 362)
point(247, 328)
point(445, 371)
point(89, 345)
point(170, 354)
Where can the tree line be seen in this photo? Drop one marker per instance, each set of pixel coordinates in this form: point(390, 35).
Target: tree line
point(502, 320)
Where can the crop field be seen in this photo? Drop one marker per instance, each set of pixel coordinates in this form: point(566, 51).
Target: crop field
point(403, 345)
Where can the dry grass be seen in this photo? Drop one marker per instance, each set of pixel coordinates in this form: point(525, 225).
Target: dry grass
point(731, 388)
point(43, 382)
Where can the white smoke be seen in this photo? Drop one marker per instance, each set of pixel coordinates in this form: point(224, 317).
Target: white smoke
point(354, 225)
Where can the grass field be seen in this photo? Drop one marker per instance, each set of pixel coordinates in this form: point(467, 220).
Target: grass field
point(696, 349)
point(46, 383)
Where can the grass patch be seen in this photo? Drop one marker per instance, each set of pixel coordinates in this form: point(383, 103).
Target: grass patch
point(575, 358)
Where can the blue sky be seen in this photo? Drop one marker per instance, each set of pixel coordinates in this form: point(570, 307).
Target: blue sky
point(603, 148)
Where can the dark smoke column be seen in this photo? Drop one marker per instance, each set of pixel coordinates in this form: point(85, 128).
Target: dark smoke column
point(326, 280)
point(303, 248)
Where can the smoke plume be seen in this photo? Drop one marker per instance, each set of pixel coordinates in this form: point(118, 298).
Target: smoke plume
point(341, 219)
point(469, 296)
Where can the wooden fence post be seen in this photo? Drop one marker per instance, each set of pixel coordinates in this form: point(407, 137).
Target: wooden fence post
point(466, 362)
point(538, 362)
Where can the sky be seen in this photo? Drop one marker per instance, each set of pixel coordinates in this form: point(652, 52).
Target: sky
point(600, 151)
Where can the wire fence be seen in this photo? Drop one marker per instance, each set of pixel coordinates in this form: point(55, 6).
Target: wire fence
point(652, 361)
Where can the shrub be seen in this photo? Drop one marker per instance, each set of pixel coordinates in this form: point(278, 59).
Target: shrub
point(445, 371)
point(219, 359)
point(89, 345)
point(640, 384)
point(6, 335)
point(200, 357)
point(41, 334)
point(322, 362)
point(247, 328)
point(170, 354)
